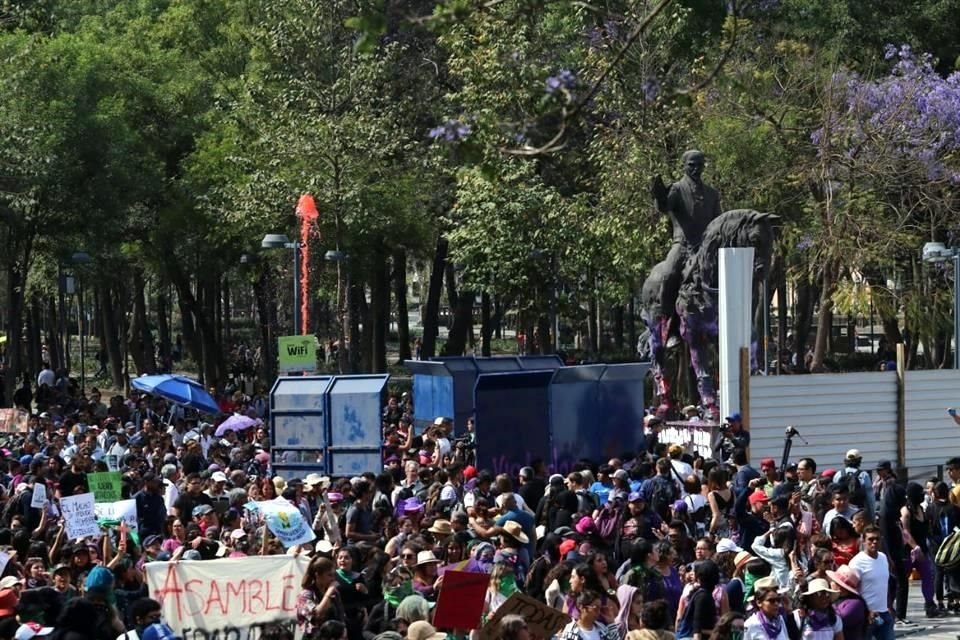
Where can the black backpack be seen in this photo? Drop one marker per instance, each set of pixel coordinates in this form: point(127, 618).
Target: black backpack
point(858, 492)
point(662, 495)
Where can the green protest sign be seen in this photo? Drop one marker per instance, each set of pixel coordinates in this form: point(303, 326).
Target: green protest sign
point(105, 486)
point(297, 353)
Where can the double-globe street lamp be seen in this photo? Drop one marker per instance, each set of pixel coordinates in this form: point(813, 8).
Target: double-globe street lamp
point(935, 252)
point(281, 241)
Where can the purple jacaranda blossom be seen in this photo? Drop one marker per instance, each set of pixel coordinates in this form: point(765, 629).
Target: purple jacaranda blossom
point(450, 131)
point(565, 79)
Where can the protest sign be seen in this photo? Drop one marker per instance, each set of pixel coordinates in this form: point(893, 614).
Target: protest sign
point(234, 598)
point(542, 621)
point(286, 522)
point(461, 600)
point(39, 496)
point(106, 486)
point(694, 437)
point(297, 353)
point(123, 510)
point(13, 421)
point(79, 516)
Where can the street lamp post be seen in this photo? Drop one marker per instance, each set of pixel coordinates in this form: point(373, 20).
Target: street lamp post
point(281, 241)
point(937, 252)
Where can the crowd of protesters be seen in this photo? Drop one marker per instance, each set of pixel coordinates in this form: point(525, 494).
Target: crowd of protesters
point(651, 545)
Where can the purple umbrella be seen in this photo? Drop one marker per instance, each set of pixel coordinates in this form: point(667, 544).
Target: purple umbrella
point(236, 422)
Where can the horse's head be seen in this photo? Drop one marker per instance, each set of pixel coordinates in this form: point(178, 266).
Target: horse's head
point(738, 228)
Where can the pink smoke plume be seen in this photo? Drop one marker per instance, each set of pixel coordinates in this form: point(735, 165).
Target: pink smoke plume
point(308, 214)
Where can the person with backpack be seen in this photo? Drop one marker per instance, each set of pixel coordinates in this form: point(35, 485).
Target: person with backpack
point(858, 483)
point(661, 491)
point(587, 501)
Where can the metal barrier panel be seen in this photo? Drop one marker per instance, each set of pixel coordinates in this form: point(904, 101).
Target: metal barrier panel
point(513, 421)
point(834, 412)
point(298, 422)
point(540, 362)
point(574, 407)
point(930, 432)
point(620, 418)
point(355, 406)
point(463, 371)
point(432, 392)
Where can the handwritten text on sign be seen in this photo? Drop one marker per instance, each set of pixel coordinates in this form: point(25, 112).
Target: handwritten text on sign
point(220, 595)
point(79, 516)
point(542, 620)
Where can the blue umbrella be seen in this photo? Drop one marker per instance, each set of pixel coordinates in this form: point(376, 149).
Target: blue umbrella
point(179, 389)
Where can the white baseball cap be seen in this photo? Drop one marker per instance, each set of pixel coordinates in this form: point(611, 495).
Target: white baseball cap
point(32, 630)
point(219, 476)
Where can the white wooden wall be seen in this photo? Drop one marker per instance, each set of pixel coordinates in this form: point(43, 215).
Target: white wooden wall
point(932, 436)
point(833, 412)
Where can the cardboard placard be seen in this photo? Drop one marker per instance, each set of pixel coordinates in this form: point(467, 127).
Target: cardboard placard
point(80, 516)
point(39, 499)
point(13, 421)
point(543, 621)
point(106, 486)
point(460, 604)
point(125, 510)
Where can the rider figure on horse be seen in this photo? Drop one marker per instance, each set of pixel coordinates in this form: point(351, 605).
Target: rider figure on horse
point(691, 205)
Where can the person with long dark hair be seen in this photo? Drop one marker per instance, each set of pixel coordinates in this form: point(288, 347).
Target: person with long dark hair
point(319, 600)
point(916, 534)
point(699, 612)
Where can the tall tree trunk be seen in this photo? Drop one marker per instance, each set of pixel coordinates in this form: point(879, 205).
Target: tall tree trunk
point(593, 339)
point(400, 294)
point(543, 334)
point(207, 347)
point(632, 325)
point(825, 317)
point(380, 301)
point(141, 339)
point(53, 336)
point(212, 360)
point(431, 315)
point(462, 324)
point(264, 303)
point(486, 325)
point(807, 293)
point(618, 322)
point(163, 323)
point(365, 313)
point(497, 318)
point(16, 288)
point(358, 301)
point(111, 335)
point(34, 335)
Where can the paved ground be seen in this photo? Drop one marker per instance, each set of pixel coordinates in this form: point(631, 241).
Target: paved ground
point(947, 628)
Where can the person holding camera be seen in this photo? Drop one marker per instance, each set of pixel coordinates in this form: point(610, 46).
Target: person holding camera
point(732, 436)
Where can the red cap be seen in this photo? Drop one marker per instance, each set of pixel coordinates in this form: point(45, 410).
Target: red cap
point(469, 472)
point(567, 546)
point(758, 496)
point(768, 462)
point(828, 473)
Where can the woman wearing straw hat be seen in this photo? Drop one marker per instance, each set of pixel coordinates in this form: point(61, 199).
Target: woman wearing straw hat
point(849, 605)
point(816, 618)
point(767, 623)
point(425, 581)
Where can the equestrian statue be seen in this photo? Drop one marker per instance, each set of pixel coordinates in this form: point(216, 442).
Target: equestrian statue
point(680, 297)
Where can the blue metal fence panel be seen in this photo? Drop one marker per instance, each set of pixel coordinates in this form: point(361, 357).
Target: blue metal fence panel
point(540, 362)
point(512, 419)
point(574, 412)
point(432, 392)
point(298, 422)
point(621, 396)
point(355, 405)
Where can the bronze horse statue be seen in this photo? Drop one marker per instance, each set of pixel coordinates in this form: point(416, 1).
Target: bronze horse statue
point(697, 307)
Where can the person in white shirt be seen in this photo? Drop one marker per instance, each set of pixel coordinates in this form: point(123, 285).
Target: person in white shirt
point(683, 469)
point(171, 493)
point(46, 376)
point(874, 570)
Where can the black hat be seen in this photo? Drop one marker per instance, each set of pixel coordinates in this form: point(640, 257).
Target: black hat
point(885, 464)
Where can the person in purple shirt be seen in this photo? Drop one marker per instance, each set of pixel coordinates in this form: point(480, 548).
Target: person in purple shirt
point(849, 605)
